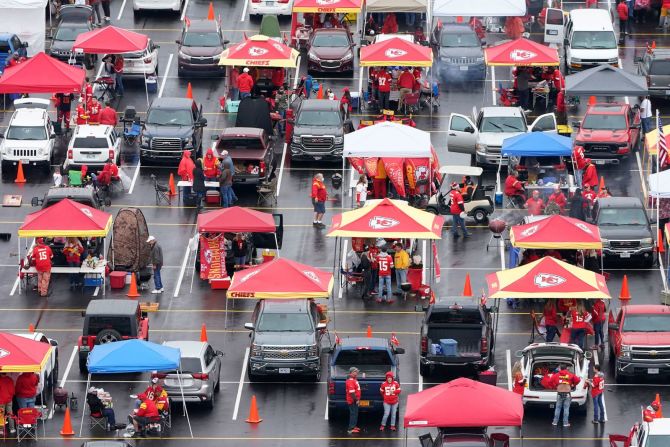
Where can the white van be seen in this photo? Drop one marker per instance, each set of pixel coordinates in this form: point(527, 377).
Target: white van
point(590, 39)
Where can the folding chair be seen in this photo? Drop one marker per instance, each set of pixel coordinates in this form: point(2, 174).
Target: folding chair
point(74, 178)
point(161, 192)
point(500, 440)
point(426, 440)
point(97, 420)
point(26, 423)
point(267, 191)
point(616, 439)
point(411, 100)
point(130, 134)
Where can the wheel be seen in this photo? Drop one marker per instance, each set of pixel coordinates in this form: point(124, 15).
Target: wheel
point(82, 364)
point(424, 370)
point(209, 403)
point(648, 263)
point(432, 210)
point(5, 167)
point(480, 216)
point(108, 336)
point(180, 73)
point(332, 413)
point(251, 376)
point(317, 377)
point(156, 70)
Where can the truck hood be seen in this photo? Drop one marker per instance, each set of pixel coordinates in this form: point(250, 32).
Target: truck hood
point(646, 339)
point(62, 45)
point(609, 136)
point(25, 144)
point(151, 130)
point(624, 232)
point(299, 131)
point(495, 138)
point(201, 51)
point(456, 52)
point(284, 338)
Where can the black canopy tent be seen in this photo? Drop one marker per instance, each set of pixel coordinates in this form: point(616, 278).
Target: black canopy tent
point(605, 80)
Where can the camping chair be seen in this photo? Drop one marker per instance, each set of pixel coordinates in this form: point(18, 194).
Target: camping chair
point(97, 419)
point(350, 277)
point(74, 178)
point(616, 439)
point(426, 440)
point(161, 192)
point(26, 423)
point(267, 191)
point(411, 100)
point(130, 134)
point(499, 440)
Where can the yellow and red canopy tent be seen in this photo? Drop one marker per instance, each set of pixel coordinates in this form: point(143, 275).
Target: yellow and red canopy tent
point(19, 354)
point(557, 232)
point(260, 51)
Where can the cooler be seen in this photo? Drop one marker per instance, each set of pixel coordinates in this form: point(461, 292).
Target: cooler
point(117, 280)
point(268, 255)
point(435, 349)
point(490, 377)
point(212, 197)
point(355, 100)
point(220, 284)
point(414, 277)
point(152, 84)
point(449, 347)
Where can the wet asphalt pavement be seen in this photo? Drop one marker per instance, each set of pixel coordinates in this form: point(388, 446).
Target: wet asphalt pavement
point(295, 413)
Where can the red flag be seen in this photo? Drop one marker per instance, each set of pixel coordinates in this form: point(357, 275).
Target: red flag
point(187, 21)
point(337, 339)
point(393, 166)
point(432, 298)
point(357, 164)
point(435, 163)
point(394, 340)
point(436, 262)
point(371, 166)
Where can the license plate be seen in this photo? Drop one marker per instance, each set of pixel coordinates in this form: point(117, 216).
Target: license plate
point(284, 370)
point(598, 162)
point(364, 403)
point(667, 92)
point(25, 162)
point(624, 255)
point(91, 156)
point(269, 4)
point(463, 68)
point(653, 370)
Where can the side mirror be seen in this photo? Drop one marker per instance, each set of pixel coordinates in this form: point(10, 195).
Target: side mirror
point(576, 124)
point(249, 326)
point(219, 353)
point(613, 327)
point(178, 42)
point(226, 42)
point(519, 353)
point(202, 122)
point(399, 350)
point(24, 44)
point(321, 326)
point(53, 342)
point(215, 137)
point(566, 42)
point(469, 130)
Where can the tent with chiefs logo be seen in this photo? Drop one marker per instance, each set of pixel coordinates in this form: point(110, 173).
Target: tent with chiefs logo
point(547, 278)
point(521, 53)
point(260, 51)
point(557, 232)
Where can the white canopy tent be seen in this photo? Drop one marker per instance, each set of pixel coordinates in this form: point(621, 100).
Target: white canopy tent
point(387, 139)
point(397, 5)
point(15, 14)
point(659, 184)
point(479, 8)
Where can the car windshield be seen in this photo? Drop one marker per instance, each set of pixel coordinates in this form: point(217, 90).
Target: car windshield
point(658, 441)
point(193, 39)
point(622, 216)
point(330, 40)
point(454, 40)
point(4, 47)
point(660, 67)
point(69, 33)
point(90, 143)
point(319, 118)
point(646, 323)
point(163, 117)
point(284, 322)
point(503, 124)
point(596, 121)
point(26, 133)
point(593, 40)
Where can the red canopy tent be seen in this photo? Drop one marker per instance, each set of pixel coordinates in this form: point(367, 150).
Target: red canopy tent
point(110, 39)
point(396, 52)
point(260, 51)
point(236, 219)
point(464, 403)
point(329, 6)
point(42, 74)
point(66, 218)
point(20, 354)
point(521, 52)
point(557, 232)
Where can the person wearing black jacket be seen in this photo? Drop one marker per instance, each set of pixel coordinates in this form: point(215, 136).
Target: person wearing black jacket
point(578, 205)
point(198, 183)
point(98, 409)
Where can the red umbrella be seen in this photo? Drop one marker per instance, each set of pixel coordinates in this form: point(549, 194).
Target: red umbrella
point(557, 232)
point(42, 74)
point(110, 39)
point(236, 219)
point(521, 52)
point(66, 218)
point(396, 51)
point(464, 403)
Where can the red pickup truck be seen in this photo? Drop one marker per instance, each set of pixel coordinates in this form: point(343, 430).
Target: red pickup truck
point(609, 132)
point(252, 153)
point(639, 340)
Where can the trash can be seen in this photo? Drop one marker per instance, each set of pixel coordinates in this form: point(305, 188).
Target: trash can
point(117, 280)
point(449, 347)
point(268, 255)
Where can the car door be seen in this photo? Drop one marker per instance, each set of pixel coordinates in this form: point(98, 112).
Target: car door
point(634, 126)
point(614, 335)
point(461, 135)
point(212, 365)
point(554, 28)
point(544, 123)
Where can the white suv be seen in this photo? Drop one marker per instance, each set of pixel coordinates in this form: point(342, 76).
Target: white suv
point(30, 136)
point(92, 145)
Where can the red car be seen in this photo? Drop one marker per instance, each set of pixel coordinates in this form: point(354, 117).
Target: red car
point(609, 132)
point(330, 50)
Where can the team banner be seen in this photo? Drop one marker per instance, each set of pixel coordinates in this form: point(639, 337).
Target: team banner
point(371, 166)
point(394, 170)
point(436, 263)
point(213, 257)
point(418, 174)
point(357, 163)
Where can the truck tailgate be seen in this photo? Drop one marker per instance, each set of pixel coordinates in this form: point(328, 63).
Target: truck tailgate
point(247, 154)
point(468, 338)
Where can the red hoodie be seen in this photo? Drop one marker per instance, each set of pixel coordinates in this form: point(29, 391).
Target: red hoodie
point(26, 385)
point(390, 390)
point(6, 390)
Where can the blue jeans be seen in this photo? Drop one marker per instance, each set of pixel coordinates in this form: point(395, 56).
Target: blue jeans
point(577, 337)
point(646, 125)
point(240, 260)
point(353, 415)
point(400, 277)
point(562, 403)
point(74, 277)
point(111, 417)
point(226, 196)
point(598, 332)
point(157, 278)
point(26, 402)
point(234, 94)
point(552, 331)
point(380, 291)
point(119, 84)
point(244, 95)
point(393, 410)
point(598, 408)
point(458, 221)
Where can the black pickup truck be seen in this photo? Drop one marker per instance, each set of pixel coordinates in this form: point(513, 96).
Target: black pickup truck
point(471, 326)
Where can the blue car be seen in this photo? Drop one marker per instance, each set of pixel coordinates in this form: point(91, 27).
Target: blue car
point(10, 44)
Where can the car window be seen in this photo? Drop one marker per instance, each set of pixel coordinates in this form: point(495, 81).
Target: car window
point(545, 123)
point(69, 34)
point(284, 322)
point(16, 42)
point(318, 118)
point(4, 47)
point(503, 124)
point(191, 364)
point(646, 323)
point(459, 40)
point(120, 324)
point(363, 357)
point(554, 17)
point(660, 67)
point(621, 216)
point(465, 316)
point(239, 143)
point(90, 143)
point(330, 40)
point(593, 40)
point(658, 441)
point(204, 39)
point(459, 124)
point(595, 121)
point(163, 117)
point(210, 355)
point(26, 133)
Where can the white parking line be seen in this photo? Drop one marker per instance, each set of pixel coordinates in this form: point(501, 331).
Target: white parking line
point(509, 369)
point(244, 13)
point(183, 13)
point(96, 291)
point(16, 285)
point(493, 86)
point(132, 183)
point(165, 76)
point(642, 182)
point(241, 384)
point(325, 416)
point(420, 379)
point(344, 260)
point(281, 167)
point(123, 5)
point(69, 365)
point(183, 267)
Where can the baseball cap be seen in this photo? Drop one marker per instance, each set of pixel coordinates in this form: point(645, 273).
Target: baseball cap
point(353, 369)
point(151, 238)
point(454, 185)
point(154, 380)
point(246, 70)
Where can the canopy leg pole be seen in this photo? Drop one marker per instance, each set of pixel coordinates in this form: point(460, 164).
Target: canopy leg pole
point(336, 274)
point(405, 437)
point(183, 401)
point(276, 244)
point(146, 88)
point(88, 384)
point(423, 251)
point(196, 237)
point(360, 87)
point(18, 276)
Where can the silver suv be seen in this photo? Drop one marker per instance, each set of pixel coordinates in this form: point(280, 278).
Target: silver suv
point(200, 373)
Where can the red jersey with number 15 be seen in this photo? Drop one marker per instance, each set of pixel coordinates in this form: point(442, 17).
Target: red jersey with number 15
point(385, 261)
point(42, 256)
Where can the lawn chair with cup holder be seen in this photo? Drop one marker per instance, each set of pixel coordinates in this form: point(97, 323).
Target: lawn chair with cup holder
point(162, 191)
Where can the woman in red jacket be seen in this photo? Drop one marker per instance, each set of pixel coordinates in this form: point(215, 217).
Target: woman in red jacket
point(550, 315)
point(579, 318)
point(26, 389)
point(390, 390)
point(590, 176)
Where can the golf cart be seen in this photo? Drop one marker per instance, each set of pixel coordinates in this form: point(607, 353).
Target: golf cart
point(477, 204)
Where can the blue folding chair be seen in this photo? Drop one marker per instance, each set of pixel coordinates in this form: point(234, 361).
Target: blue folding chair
point(130, 134)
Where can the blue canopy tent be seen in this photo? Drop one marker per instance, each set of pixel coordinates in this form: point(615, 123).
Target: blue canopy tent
point(537, 144)
point(134, 356)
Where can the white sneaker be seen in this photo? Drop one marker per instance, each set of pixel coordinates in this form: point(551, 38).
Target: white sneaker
point(161, 290)
point(155, 291)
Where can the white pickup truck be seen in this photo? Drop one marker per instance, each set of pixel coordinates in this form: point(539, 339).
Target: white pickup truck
point(29, 138)
point(649, 434)
point(49, 373)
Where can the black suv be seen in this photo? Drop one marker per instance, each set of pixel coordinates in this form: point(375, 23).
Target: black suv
point(173, 125)
point(85, 196)
point(200, 48)
point(74, 20)
point(107, 321)
point(460, 53)
point(655, 66)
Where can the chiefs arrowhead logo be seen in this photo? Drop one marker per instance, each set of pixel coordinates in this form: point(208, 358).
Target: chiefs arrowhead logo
point(521, 55)
point(544, 280)
point(395, 52)
point(3, 353)
point(257, 52)
point(530, 231)
point(248, 276)
point(421, 173)
point(86, 211)
point(311, 275)
point(583, 227)
point(327, 2)
point(382, 223)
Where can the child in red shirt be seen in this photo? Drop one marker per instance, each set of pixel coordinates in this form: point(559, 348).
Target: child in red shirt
point(597, 385)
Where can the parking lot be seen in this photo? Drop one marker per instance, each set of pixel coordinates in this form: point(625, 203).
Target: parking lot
point(295, 413)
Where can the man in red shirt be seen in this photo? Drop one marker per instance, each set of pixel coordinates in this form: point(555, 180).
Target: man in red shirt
point(535, 205)
point(63, 105)
point(561, 108)
point(42, 256)
point(514, 188)
point(457, 209)
point(597, 387)
point(353, 390)
point(108, 115)
point(118, 71)
point(319, 196)
point(564, 381)
point(384, 86)
point(384, 262)
point(405, 84)
point(94, 112)
point(82, 113)
point(245, 83)
point(26, 389)
point(389, 390)
point(558, 198)
point(590, 176)
point(580, 319)
point(622, 11)
point(598, 317)
point(580, 163)
point(144, 414)
point(6, 397)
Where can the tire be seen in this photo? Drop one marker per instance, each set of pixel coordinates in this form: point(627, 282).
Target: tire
point(156, 70)
point(317, 377)
point(217, 387)
point(424, 370)
point(82, 364)
point(5, 171)
point(432, 210)
point(107, 336)
point(209, 403)
point(480, 216)
point(251, 376)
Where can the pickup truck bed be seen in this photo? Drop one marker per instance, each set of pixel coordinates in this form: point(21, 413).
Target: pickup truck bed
point(469, 340)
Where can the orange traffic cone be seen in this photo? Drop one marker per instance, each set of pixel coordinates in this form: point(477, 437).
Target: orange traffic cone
point(173, 191)
point(661, 245)
point(19, 174)
point(203, 332)
point(132, 292)
point(319, 94)
point(625, 293)
point(189, 91)
point(602, 183)
point(67, 424)
point(467, 288)
point(210, 13)
point(369, 332)
point(253, 412)
point(659, 412)
point(31, 328)
point(459, 19)
point(592, 100)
